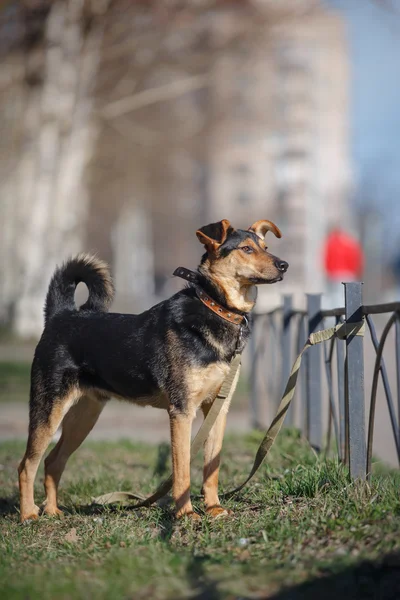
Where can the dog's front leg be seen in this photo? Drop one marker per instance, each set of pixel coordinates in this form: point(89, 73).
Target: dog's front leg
point(212, 455)
point(181, 429)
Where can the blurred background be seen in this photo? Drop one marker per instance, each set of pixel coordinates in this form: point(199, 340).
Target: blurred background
point(128, 124)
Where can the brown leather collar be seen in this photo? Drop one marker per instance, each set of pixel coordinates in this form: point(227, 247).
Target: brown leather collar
point(212, 304)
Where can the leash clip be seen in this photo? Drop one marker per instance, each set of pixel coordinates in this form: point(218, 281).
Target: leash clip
point(240, 336)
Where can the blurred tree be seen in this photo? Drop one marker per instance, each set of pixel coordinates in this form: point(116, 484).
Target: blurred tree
point(48, 139)
point(135, 90)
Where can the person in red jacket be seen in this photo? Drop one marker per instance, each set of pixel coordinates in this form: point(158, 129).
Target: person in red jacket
point(343, 262)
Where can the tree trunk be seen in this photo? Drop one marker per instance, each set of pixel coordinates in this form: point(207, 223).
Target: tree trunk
point(59, 132)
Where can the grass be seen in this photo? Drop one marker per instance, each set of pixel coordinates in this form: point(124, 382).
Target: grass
point(298, 526)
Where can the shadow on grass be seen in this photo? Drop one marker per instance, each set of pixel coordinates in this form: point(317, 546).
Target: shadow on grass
point(9, 506)
point(369, 580)
point(166, 520)
point(163, 454)
point(203, 586)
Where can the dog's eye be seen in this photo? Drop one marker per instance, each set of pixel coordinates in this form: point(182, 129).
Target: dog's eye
point(247, 249)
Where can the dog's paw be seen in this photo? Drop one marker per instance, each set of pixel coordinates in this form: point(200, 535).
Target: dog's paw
point(30, 515)
point(190, 515)
point(53, 511)
point(218, 512)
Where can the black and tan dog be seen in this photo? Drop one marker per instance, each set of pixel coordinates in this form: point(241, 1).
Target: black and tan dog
point(173, 356)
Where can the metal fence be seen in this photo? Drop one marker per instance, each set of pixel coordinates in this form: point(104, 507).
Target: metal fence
point(332, 377)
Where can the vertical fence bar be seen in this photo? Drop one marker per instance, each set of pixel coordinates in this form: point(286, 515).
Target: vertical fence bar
point(302, 391)
point(314, 400)
point(357, 450)
point(287, 350)
point(332, 408)
point(341, 397)
point(394, 419)
point(273, 340)
point(397, 325)
point(254, 379)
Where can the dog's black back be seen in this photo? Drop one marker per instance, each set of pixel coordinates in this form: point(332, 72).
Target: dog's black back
point(135, 357)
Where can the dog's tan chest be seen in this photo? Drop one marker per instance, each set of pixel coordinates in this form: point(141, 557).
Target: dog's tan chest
point(203, 383)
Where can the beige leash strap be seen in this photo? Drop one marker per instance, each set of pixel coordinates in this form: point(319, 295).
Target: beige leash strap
point(342, 331)
point(224, 396)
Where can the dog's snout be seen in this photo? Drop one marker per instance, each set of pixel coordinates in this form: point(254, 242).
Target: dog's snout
point(282, 265)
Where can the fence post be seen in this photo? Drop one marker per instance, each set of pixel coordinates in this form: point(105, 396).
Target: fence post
point(287, 350)
point(355, 409)
point(314, 400)
point(254, 378)
point(397, 325)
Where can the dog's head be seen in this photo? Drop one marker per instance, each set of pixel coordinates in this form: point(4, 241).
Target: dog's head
point(240, 254)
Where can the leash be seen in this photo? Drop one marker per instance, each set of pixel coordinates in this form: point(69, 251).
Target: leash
point(224, 396)
point(341, 331)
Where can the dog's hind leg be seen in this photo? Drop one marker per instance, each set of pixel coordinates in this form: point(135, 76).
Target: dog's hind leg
point(41, 430)
point(77, 424)
point(212, 455)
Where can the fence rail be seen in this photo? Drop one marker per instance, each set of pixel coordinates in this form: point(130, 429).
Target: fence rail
point(332, 379)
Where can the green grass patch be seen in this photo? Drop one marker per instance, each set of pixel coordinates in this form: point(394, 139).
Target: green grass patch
point(301, 527)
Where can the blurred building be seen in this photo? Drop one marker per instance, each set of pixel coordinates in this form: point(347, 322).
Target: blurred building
point(139, 122)
point(282, 150)
point(265, 134)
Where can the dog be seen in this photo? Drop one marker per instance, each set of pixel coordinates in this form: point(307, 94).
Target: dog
point(174, 356)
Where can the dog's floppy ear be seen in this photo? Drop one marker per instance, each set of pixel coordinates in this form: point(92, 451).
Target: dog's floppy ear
point(213, 235)
point(260, 228)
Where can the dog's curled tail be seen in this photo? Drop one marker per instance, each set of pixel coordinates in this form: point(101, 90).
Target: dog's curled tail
point(93, 272)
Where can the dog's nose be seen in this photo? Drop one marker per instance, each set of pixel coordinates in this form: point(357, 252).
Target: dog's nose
point(282, 265)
